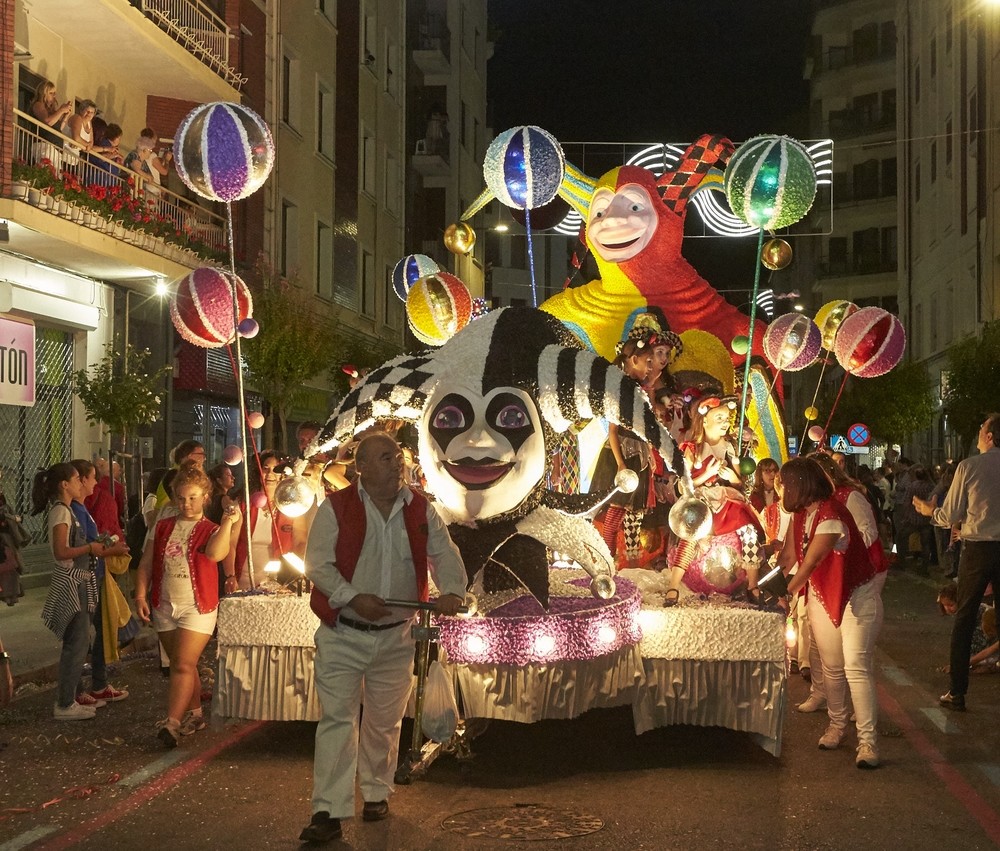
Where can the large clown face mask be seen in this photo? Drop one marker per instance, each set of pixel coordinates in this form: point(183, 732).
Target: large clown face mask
point(621, 223)
point(482, 455)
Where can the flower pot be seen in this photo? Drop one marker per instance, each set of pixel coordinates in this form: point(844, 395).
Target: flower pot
point(19, 190)
point(34, 196)
point(118, 230)
point(62, 208)
point(48, 202)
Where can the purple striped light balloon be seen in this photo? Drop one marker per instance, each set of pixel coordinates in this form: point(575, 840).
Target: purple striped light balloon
point(792, 342)
point(223, 151)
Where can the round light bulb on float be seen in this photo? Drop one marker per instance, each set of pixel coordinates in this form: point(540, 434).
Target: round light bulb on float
point(475, 644)
point(544, 644)
point(627, 481)
point(294, 496)
point(607, 634)
point(603, 587)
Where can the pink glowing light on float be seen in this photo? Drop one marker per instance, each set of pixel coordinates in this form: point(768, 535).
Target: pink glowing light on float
point(574, 628)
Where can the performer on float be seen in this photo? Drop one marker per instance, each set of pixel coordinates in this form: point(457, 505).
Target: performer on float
point(625, 451)
point(714, 466)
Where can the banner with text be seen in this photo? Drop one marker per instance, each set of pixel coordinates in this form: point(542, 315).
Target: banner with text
point(17, 362)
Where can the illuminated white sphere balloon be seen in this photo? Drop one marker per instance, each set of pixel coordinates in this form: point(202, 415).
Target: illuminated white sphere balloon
point(603, 587)
point(690, 519)
point(294, 496)
point(627, 481)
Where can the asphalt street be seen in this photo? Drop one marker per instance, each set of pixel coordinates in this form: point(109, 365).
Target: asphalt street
point(590, 783)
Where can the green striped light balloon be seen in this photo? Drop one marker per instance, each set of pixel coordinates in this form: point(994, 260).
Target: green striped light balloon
point(770, 182)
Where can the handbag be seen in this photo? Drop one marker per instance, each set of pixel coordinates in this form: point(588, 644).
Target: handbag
point(440, 717)
point(128, 633)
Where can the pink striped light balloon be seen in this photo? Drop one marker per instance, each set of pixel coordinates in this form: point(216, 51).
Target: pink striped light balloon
point(202, 307)
point(792, 342)
point(870, 342)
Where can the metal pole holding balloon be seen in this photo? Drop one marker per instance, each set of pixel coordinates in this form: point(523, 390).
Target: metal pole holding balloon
point(770, 183)
point(223, 152)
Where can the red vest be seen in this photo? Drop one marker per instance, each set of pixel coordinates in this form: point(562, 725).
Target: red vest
point(875, 551)
point(352, 523)
point(839, 575)
point(204, 572)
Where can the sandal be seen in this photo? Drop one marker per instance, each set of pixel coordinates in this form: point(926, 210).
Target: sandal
point(669, 601)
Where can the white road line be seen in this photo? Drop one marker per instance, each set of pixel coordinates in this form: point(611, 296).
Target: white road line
point(991, 770)
point(939, 718)
point(896, 675)
point(151, 770)
point(29, 837)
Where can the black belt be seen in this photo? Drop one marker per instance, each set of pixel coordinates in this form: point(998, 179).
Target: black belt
point(368, 627)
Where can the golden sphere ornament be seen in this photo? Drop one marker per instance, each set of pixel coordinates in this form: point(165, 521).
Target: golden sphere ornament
point(776, 254)
point(459, 238)
point(812, 413)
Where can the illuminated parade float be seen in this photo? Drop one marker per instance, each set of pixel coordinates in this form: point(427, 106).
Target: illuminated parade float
point(505, 401)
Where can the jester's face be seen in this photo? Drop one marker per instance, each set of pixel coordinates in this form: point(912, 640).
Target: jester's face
point(482, 455)
point(621, 222)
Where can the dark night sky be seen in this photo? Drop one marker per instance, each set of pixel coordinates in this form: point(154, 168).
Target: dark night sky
point(641, 70)
point(649, 70)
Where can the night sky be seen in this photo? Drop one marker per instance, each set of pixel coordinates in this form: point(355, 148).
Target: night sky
point(654, 71)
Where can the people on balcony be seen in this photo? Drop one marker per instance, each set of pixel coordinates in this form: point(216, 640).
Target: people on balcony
point(80, 128)
point(46, 108)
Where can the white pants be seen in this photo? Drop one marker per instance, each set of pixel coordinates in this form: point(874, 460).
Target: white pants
point(848, 659)
point(354, 667)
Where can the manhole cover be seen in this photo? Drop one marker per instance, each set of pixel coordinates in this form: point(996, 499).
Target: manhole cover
point(522, 823)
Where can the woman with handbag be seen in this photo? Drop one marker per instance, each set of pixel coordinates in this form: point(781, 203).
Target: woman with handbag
point(72, 596)
point(105, 644)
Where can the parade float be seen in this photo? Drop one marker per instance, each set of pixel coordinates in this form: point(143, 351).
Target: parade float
point(555, 628)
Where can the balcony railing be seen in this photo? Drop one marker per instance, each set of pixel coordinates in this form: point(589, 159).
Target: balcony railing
point(51, 173)
point(831, 268)
point(203, 33)
point(850, 122)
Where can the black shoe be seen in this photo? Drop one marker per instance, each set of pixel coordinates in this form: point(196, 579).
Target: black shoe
point(322, 828)
point(955, 702)
point(375, 810)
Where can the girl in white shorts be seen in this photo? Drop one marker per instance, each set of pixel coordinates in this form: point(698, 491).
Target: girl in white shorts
point(180, 568)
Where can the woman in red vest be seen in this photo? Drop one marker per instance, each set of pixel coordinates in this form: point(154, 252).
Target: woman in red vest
point(181, 569)
point(272, 534)
point(843, 600)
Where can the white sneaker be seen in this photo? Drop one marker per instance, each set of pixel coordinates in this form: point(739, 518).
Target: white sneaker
point(812, 704)
point(867, 756)
point(831, 739)
point(73, 712)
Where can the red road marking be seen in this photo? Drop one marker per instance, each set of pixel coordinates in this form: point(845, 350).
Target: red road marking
point(155, 787)
point(961, 790)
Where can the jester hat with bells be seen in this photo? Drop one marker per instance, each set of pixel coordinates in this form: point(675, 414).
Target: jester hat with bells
point(489, 404)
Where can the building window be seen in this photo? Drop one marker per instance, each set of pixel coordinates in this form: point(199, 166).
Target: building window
point(948, 132)
point(837, 255)
point(393, 306)
point(392, 192)
point(368, 46)
point(866, 43)
point(887, 39)
point(866, 250)
point(368, 163)
point(324, 121)
point(933, 58)
point(916, 332)
point(889, 248)
point(933, 162)
point(935, 316)
point(866, 180)
point(889, 178)
point(289, 238)
point(324, 260)
point(368, 284)
point(462, 134)
point(948, 25)
point(290, 91)
point(916, 83)
point(916, 181)
point(391, 69)
point(889, 106)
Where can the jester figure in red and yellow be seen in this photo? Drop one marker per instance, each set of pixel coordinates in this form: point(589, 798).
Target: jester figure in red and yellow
point(635, 227)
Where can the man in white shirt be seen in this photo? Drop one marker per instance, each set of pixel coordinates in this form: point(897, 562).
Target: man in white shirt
point(364, 650)
point(974, 501)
